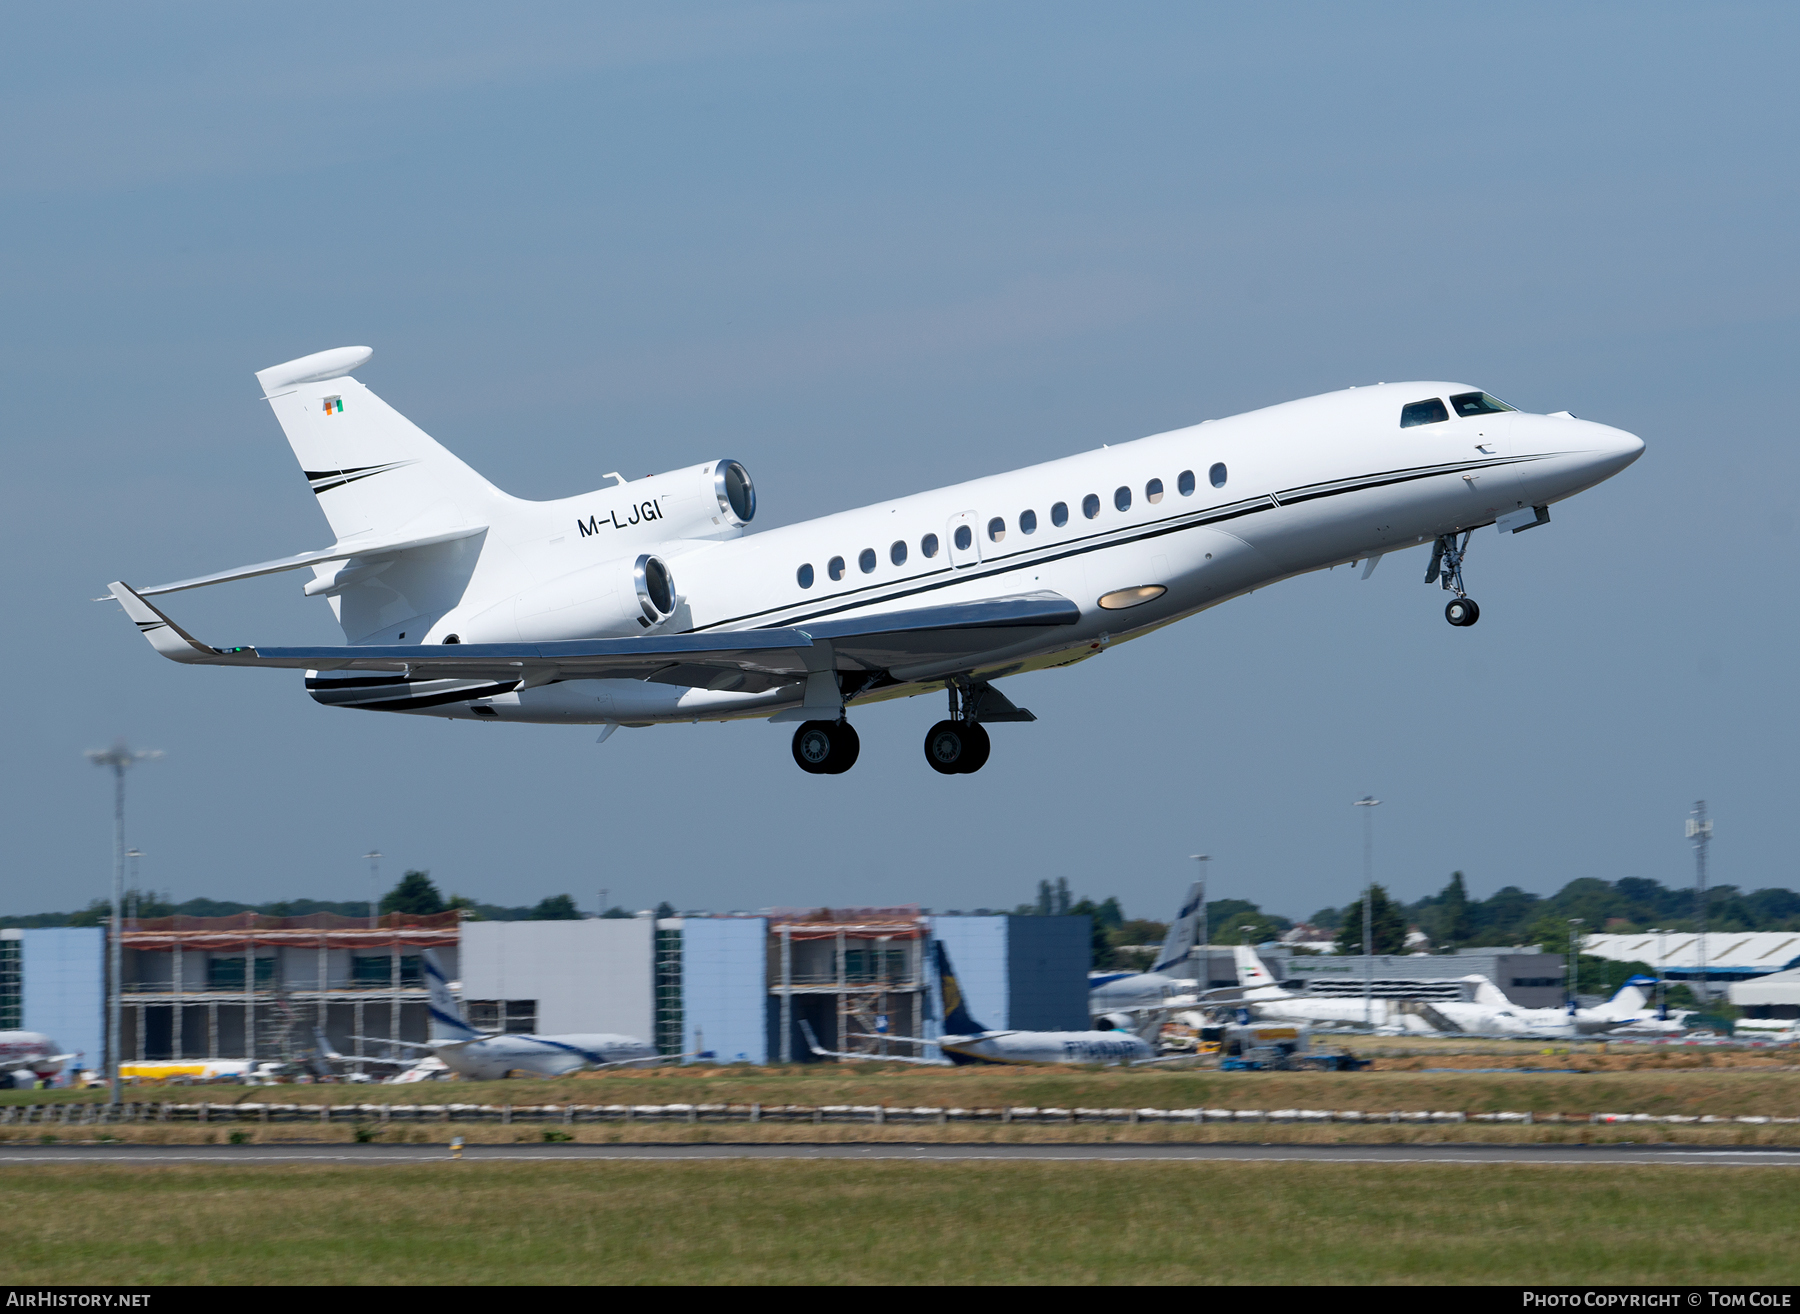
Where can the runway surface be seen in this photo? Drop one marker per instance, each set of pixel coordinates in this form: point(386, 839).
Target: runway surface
point(376, 1155)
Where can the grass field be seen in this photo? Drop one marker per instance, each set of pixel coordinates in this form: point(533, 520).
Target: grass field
point(1768, 1088)
point(795, 1222)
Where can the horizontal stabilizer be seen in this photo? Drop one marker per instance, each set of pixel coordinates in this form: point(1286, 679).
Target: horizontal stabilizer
point(339, 552)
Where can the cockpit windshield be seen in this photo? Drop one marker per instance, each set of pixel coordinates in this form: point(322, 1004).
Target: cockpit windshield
point(1429, 411)
point(1478, 403)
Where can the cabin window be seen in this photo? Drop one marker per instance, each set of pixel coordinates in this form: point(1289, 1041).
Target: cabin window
point(1429, 411)
point(866, 560)
point(996, 529)
point(1217, 475)
point(835, 568)
point(897, 553)
point(1153, 492)
point(805, 575)
point(1122, 498)
point(929, 546)
point(963, 538)
point(1478, 403)
point(1059, 514)
point(1184, 483)
point(1028, 522)
point(1090, 506)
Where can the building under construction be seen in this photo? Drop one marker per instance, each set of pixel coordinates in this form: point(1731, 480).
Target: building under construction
point(254, 986)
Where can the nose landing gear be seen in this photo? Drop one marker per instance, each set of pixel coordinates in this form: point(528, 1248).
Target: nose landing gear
point(826, 748)
point(1446, 567)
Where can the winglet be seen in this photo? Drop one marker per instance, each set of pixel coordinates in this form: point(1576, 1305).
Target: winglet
point(165, 635)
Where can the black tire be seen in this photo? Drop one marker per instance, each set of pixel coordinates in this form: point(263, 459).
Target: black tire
point(814, 742)
point(975, 756)
point(946, 745)
point(845, 745)
point(1462, 611)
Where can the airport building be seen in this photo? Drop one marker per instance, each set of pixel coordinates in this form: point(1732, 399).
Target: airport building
point(1721, 958)
point(735, 987)
point(1530, 980)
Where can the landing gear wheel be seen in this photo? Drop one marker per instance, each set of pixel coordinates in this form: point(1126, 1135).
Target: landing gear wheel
point(1462, 611)
point(975, 753)
point(956, 748)
point(946, 746)
point(826, 748)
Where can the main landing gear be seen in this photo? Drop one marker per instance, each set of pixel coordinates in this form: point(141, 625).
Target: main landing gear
point(955, 747)
point(960, 745)
point(826, 748)
point(1446, 567)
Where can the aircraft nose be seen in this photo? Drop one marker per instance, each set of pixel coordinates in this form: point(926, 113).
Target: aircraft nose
point(1610, 450)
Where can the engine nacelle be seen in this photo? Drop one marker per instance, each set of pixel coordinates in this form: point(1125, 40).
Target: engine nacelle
point(715, 500)
point(621, 597)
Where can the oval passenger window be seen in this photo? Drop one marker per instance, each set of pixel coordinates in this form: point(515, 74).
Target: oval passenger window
point(866, 560)
point(1028, 522)
point(1122, 498)
point(1217, 475)
point(1153, 492)
point(897, 553)
point(805, 575)
point(928, 545)
point(1090, 506)
point(996, 529)
point(1059, 514)
point(835, 568)
point(1184, 483)
point(963, 538)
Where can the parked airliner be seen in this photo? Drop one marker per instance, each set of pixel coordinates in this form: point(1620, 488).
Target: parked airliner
point(644, 602)
point(1131, 992)
point(482, 1056)
point(965, 1041)
point(30, 1054)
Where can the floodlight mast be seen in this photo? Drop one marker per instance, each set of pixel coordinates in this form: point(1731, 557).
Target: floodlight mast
point(1368, 802)
point(1699, 829)
point(374, 885)
point(120, 759)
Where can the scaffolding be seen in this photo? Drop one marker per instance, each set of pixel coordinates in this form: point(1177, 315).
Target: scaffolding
point(866, 964)
point(266, 982)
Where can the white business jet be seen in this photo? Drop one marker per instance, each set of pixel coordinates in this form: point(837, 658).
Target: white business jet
point(644, 602)
point(1489, 1013)
point(484, 1056)
point(30, 1056)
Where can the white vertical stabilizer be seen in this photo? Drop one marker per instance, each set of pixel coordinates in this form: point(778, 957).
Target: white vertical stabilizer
point(371, 468)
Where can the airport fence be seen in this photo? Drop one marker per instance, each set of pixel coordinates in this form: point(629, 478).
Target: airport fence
point(94, 1113)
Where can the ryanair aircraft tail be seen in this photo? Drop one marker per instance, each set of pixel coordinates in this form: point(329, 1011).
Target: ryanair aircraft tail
point(957, 1021)
point(446, 1014)
point(372, 469)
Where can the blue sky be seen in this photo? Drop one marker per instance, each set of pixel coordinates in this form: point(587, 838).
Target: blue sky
point(869, 249)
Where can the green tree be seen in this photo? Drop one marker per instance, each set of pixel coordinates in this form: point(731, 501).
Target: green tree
point(1446, 918)
point(666, 909)
point(414, 894)
point(1387, 919)
point(556, 908)
point(615, 912)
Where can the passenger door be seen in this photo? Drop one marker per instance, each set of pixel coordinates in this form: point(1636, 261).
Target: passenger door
point(963, 536)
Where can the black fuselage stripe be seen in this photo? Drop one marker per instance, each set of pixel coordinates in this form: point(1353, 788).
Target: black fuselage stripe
point(1097, 542)
point(430, 700)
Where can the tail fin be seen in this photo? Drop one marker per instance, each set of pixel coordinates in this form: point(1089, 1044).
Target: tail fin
point(1486, 992)
point(1179, 944)
point(446, 1014)
point(371, 467)
point(957, 1021)
point(1631, 998)
point(1250, 969)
